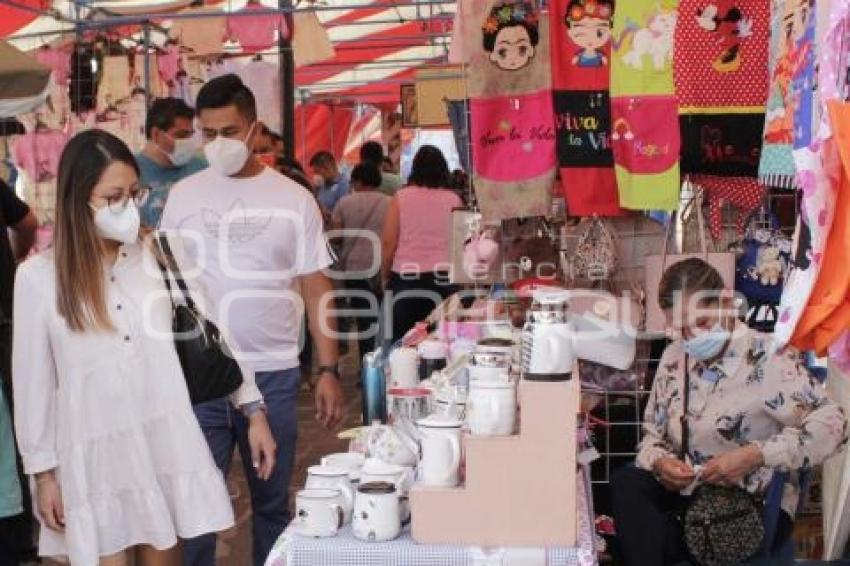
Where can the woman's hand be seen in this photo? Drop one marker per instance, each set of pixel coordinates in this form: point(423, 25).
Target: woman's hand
point(730, 468)
point(263, 446)
point(49, 497)
point(674, 474)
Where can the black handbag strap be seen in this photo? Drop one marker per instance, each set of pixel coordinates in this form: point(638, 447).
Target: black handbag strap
point(172, 270)
point(686, 395)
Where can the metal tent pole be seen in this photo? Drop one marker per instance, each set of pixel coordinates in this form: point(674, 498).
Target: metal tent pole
point(147, 47)
point(286, 66)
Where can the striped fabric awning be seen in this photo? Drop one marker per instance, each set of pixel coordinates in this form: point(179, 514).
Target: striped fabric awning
point(378, 43)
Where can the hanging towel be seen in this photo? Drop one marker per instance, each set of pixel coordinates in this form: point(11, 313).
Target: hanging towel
point(513, 153)
point(644, 112)
point(580, 34)
point(509, 82)
point(720, 69)
point(818, 169)
point(827, 314)
point(789, 103)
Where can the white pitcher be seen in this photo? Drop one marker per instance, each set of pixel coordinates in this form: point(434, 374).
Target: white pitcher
point(491, 408)
point(330, 477)
point(377, 516)
point(440, 443)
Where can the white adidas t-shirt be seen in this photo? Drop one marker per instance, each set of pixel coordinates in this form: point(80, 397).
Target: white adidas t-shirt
point(248, 239)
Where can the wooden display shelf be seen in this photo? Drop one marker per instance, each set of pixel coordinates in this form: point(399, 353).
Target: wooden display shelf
point(520, 490)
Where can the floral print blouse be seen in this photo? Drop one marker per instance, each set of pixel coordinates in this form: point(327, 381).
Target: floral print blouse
point(748, 396)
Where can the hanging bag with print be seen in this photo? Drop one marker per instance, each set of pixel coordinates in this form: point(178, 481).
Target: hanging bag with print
point(656, 265)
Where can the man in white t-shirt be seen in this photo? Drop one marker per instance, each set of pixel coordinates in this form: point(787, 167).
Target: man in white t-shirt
point(255, 239)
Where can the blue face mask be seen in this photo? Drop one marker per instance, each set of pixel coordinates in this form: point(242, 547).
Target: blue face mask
point(707, 345)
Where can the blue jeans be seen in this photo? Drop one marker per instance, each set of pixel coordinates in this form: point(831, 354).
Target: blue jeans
point(226, 428)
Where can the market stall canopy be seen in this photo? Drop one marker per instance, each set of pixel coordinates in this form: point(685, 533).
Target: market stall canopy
point(377, 45)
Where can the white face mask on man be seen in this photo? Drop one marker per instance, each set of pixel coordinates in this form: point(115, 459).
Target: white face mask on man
point(184, 150)
point(228, 155)
point(121, 226)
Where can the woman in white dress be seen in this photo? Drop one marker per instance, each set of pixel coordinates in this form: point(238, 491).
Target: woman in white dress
point(119, 466)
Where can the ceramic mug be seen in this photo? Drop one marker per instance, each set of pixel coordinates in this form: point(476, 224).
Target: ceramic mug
point(328, 477)
point(439, 465)
point(401, 477)
point(318, 512)
point(491, 408)
point(377, 515)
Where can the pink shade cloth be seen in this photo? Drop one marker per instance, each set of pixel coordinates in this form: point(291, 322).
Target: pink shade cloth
point(168, 61)
point(256, 33)
point(744, 193)
point(513, 137)
point(38, 153)
point(425, 227)
point(59, 60)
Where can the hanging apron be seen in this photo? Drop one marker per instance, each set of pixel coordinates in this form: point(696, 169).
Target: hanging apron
point(644, 111)
point(581, 70)
point(506, 43)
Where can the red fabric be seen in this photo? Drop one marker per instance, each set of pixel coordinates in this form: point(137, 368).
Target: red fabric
point(570, 19)
point(582, 106)
point(13, 19)
point(723, 45)
point(744, 193)
point(321, 127)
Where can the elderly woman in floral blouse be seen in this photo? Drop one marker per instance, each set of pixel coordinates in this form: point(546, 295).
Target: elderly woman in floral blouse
point(751, 412)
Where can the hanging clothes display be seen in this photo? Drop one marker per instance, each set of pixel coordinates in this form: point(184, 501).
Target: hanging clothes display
point(169, 63)
point(115, 87)
point(59, 61)
point(203, 36)
point(513, 134)
point(827, 314)
point(580, 32)
point(788, 119)
point(310, 40)
point(644, 112)
point(263, 79)
point(256, 32)
point(818, 167)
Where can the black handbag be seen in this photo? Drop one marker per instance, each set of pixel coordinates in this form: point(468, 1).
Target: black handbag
point(209, 367)
point(722, 526)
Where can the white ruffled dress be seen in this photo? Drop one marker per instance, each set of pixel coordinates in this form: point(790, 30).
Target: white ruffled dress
point(110, 412)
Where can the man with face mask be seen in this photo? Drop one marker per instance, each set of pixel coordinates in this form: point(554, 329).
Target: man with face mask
point(171, 153)
point(257, 240)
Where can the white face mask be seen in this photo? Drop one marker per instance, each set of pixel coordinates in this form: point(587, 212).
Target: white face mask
point(228, 155)
point(118, 226)
point(184, 151)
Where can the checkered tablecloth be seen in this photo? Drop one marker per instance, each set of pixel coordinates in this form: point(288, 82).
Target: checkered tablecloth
point(345, 550)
